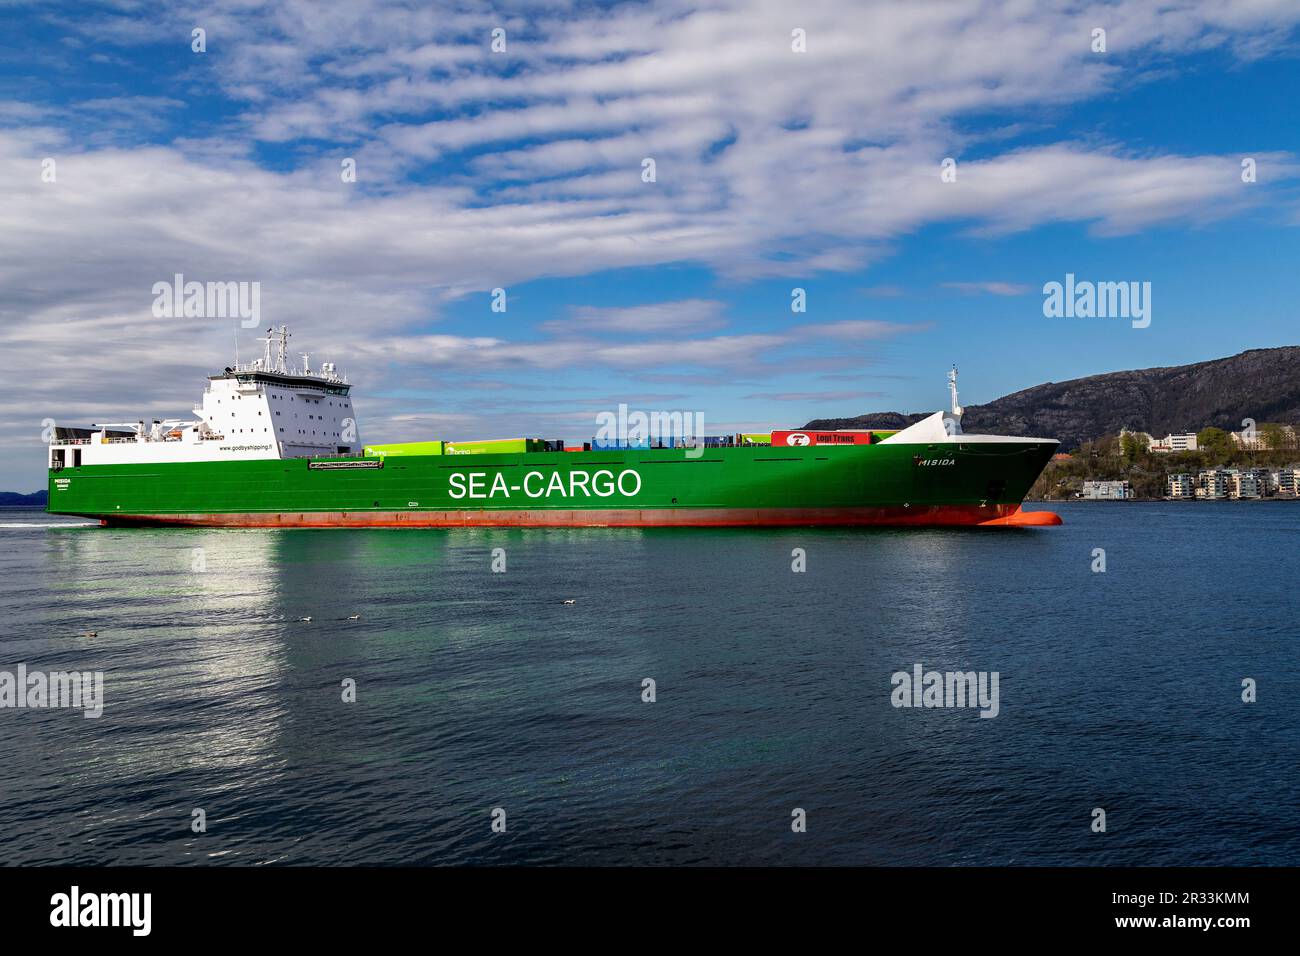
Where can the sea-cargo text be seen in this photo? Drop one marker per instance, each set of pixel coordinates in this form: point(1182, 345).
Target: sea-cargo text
point(600, 484)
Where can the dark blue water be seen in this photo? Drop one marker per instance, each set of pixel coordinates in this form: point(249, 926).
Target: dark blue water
point(1119, 690)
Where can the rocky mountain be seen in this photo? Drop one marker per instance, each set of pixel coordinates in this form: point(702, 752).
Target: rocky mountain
point(1263, 384)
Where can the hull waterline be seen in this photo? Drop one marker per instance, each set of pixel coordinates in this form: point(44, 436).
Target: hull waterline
point(927, 516)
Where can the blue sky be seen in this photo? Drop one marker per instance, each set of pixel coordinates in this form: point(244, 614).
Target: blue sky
point(521, 170)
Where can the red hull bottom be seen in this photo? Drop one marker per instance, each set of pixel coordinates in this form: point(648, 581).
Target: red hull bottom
point(920, 516)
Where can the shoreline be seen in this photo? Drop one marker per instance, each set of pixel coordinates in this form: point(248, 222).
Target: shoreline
point(1122, 501)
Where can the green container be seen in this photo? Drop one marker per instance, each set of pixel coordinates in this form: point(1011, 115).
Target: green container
point(501, 446)
point(406, 448)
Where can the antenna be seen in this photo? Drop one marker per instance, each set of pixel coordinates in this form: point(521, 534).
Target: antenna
point(283, 352)
point(266, 358)
point(952, 387)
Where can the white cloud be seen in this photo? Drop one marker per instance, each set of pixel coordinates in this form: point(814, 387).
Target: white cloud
point(685, 315)
point(989, 288)
point(803, 397)
point(855, 329)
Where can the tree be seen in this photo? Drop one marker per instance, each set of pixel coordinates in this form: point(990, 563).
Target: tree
point(1131, 445)
point(1273, 436)
point(1216, 443)
point(1105, 447)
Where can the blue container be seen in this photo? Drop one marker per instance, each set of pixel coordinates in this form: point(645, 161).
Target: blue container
point(616, 444)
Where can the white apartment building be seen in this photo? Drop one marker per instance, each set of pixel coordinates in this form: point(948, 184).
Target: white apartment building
point(1107, 490)
point(1213, 483)
point(1182, 442)
point(1172, 443)
point(1250, 483)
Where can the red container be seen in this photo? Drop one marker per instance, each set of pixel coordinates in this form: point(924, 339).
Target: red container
point(804, 437)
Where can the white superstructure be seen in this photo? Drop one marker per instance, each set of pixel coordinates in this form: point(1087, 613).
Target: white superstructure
point(262, 409)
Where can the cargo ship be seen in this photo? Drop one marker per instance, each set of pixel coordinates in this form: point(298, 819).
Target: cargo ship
point(275, 446)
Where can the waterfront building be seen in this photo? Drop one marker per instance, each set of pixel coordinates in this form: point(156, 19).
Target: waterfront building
point(1107, 490)
point(1213, 483)
point(1249, 483)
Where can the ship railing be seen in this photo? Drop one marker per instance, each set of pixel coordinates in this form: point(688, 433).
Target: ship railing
point(253, 369)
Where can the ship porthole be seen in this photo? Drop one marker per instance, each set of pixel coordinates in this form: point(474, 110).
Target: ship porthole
point(674, 501)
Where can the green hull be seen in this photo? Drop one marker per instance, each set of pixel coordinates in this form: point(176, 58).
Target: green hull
point(976, 483)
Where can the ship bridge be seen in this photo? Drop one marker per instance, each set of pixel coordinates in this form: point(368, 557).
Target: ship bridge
point(262, 409)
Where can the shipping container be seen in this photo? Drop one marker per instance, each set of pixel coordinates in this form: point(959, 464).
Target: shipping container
point(617, 444)
point(495, 446)
point(405, 448)
point(803, 437)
